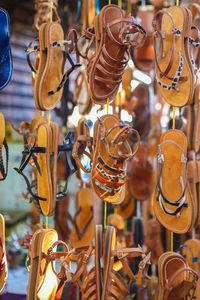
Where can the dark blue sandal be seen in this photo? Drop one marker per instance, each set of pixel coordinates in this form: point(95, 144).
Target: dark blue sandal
point(6, 64)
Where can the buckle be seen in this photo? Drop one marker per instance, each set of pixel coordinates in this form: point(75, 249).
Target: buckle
point(85, 258)
point(120, 254)
point(141, 265)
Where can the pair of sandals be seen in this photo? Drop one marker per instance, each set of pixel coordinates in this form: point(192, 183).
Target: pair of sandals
point(108, 151)
point(113, 34)
point(176, 70)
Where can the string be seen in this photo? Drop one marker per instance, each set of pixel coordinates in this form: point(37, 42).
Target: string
point(177, 2)
point(109, 2)
point(49, 121)
point(129, 8)
point(51, 11)
point(120, 3)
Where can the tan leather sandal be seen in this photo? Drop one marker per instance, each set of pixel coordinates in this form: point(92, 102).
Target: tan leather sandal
point(172, 202)
point(82, 232)
point(174, 69)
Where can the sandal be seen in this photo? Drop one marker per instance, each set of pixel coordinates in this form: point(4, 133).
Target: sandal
point(3, 144)
point(141, 175)
point(143, 57)
point(82, 94)
point(114, 33)
point(172, 202)
point(191, 252)
point(82, 232)
point(127, 207)
point(175, 280)
point(111, 150)
point(3, 259)
point(49, 80)
point(42, 266)
point(5, 51)
point(174, 69)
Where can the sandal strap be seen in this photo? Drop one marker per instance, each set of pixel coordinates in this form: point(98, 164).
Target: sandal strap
point(82, 232)
point(79, 149)
point(4, 171)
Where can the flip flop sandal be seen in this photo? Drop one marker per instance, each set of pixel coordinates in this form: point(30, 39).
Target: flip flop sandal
point(174, 70)
point(114, 286)
point(153, 240)
point(193, 180)
point(3, 144)
point(143, 57)
point(6, 63)
point(141, 175)
point(82, 232)
point(195, 10)
point(3, 259)
point(43, 13)
point(141, 121)
point(82, 95)
point(47, 90)
point(116, 34)
point(175, 280)
point(191, 252)
point(127, 207)
point(111, 150)
point(172, 202)
point(92, 283)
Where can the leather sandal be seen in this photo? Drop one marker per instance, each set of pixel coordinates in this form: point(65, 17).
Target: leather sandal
point(5, 50)
point(141, 119)
point(82, 94)
point(82, 232)
point(3, 145)
point(111, 150)
point(127, 207)
point(42, 266)
point(3, 259)
point(176, 279)
point(118, 223)
point(114, 286)
point(143, 57)
point(140, 174)
point(48, 86)
point(191, 252)
point(172, 202)
point(42, 15)
point(174, 69)
point(114, 34)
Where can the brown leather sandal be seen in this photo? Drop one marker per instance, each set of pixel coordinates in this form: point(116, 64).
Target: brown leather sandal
point(111, 150)
point(191, 252)
point(172, 202)
point(175, 280)
point(114, 33)
point(82, 94)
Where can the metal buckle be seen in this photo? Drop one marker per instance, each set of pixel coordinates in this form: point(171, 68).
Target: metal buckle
point(85, 258)
point(120, 254)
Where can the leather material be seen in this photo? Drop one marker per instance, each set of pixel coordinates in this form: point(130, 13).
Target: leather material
point(172, 202)
point(143, 57)
point(140, 174)
point(6, 63)
point(3, 258)
point(168, 62)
